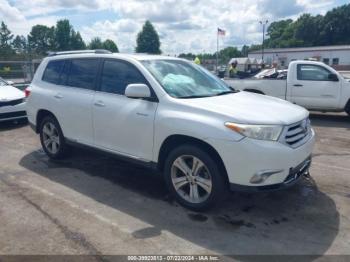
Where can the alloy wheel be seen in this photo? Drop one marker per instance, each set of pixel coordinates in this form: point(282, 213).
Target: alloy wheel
point(51, 138)
point(191, 179)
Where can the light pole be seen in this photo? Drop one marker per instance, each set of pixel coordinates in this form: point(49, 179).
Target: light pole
point(262, 46)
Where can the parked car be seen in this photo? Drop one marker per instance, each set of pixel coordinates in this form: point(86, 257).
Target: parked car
point(313, 85)
point(12, 102)
point(171, 115)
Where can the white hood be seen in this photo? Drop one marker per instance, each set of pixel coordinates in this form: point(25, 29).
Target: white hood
point(250, 108)
point(9, 93)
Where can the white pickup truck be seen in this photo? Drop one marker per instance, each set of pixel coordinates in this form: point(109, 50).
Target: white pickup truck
point(313, 85)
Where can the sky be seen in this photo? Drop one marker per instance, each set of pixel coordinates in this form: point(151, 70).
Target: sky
point(183, 25)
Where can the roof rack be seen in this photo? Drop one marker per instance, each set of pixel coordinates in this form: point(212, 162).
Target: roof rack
point(96, 51)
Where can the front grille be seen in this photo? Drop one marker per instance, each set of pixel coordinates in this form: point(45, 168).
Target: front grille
point(297, 134)
point(12, 102)
point(12, 114)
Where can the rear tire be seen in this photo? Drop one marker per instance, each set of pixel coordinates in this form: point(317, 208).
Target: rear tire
point(193, 178)
point(52, 139)
point(347, 108)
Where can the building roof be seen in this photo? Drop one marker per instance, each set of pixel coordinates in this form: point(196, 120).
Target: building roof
point(240, 60)
point(303, 49)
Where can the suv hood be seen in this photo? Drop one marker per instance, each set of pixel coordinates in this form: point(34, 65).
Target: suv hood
point(9, 93)
point(250, 108)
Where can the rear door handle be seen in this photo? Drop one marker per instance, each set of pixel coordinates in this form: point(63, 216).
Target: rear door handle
point(58, 96)
point(99, 104)
point(298, 85)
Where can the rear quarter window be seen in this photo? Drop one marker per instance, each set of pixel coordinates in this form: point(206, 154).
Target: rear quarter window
point(52, 71)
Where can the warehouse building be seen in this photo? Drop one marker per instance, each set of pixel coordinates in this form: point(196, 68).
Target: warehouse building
point(335, 56)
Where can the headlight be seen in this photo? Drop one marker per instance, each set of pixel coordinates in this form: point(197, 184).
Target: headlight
point(261, 132)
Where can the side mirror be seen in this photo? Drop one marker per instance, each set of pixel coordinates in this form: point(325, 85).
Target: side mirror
point(333, 77)
point(138, 91)
point(10, 82)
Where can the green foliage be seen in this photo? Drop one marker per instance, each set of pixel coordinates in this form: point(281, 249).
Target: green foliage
point(227, 53)
point(76, 41)
point(63, 34)
point(110, 45)
point(41, 39)
point(330, 29)
point(5, 40)
point(96, 43)
point(148, 40)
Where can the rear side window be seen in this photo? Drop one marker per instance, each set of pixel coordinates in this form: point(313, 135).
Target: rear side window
point(116, 75)
point(83, 73)
point(52, 71)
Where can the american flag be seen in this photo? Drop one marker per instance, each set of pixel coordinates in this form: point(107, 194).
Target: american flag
point(221, 32)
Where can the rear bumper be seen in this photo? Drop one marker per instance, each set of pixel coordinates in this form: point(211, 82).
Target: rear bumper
point(295, 175)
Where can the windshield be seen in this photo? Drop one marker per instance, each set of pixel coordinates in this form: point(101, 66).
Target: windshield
point(3, 83)
point(182, 79)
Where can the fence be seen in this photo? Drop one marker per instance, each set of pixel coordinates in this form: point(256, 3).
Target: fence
point(19, 71)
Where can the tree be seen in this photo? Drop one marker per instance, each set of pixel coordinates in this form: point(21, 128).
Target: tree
point(148, 40)
point(19, 44)
point(76, 41)
point(110, 45)
point(96, 43)
point(63, 33)
point(41, 39)
point(5, 40)
point(227, 53)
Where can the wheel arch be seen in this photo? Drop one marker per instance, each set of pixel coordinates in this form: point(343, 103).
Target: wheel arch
point(42, 113)
point(173, 141)
point(347, 107)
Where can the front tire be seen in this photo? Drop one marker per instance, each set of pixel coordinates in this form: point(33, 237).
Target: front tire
point(193, 178)
point(52, 139)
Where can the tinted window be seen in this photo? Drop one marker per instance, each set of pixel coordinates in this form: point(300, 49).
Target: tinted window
point(52, 71)
point(83, 73)
point(116, 75)
point(335, 61)
point(312, 73)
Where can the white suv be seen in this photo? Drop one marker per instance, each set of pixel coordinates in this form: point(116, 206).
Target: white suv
point(171, 115)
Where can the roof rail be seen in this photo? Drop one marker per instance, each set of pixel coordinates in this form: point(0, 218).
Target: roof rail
point(96, 51)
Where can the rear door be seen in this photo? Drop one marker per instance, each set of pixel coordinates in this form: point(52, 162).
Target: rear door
point(313, 89)
point(121, 124)
point(74, 96)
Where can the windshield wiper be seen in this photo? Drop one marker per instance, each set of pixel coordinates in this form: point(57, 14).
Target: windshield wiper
point(227, 92)
point(194, 96)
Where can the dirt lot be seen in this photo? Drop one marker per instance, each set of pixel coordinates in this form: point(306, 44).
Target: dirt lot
point(94, 204)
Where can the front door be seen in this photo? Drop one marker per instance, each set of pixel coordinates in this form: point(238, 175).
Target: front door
point(121, 124)
point(313, 89)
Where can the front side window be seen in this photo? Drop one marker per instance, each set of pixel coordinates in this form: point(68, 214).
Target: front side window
point(52, 71)
point(312, 73)
point(83, 73)
point(182, 79)
point(117, 75)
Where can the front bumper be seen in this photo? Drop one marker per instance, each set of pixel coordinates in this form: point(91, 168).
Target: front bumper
point(295, 175)
point(13, 112)
point(248, 157)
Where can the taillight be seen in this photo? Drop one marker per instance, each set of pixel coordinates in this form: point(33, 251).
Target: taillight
point(27, 92)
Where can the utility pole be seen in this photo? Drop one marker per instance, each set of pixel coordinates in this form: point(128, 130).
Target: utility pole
point(262, 46)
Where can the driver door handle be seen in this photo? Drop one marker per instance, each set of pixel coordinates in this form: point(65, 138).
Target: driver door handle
point(298, 85)
point(58, 96)
point(99, 104)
